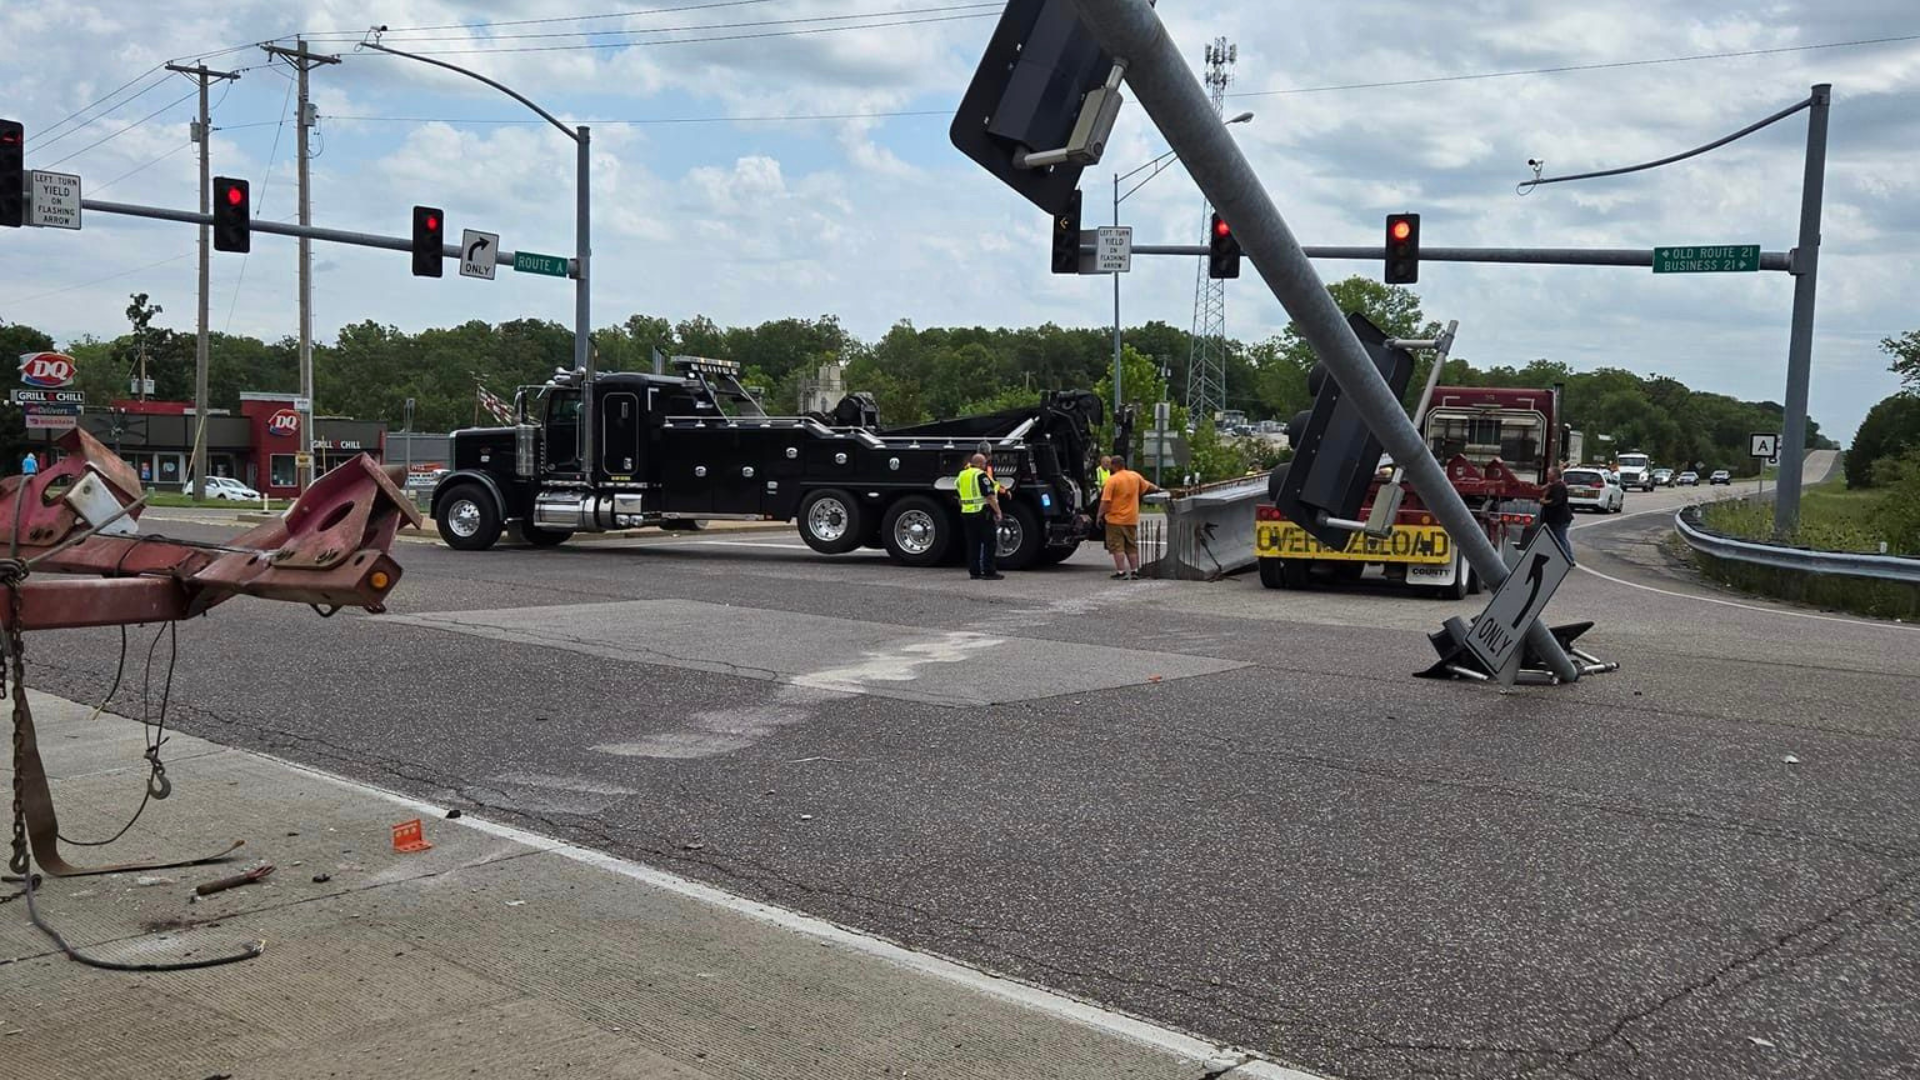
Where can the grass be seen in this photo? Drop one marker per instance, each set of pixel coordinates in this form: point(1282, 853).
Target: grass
point(170, 499)
point(1832, 518)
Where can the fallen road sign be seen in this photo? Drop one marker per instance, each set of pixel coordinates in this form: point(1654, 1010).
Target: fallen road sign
point(1496, 636)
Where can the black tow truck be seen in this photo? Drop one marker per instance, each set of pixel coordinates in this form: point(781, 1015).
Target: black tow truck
point(675, 450)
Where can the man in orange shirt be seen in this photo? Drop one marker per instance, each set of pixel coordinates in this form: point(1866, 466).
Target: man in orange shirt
point(1120, 511)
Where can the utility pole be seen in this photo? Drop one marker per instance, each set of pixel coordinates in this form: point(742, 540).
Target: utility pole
point(303, 62)
point(202, 134)
point(1207, 358)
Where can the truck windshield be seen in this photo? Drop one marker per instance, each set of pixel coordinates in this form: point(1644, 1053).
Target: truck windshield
point(1633, 461)
point(1512, 436)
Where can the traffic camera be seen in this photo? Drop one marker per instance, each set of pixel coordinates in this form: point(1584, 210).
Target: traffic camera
point(232, 215)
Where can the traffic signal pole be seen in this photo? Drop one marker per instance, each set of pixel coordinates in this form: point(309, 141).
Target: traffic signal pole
point(1132, 33)
point(202, 134)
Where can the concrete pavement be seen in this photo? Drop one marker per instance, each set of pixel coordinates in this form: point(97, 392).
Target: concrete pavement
point(495, 953)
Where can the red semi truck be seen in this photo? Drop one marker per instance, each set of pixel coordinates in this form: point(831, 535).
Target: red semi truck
point(1496, 444)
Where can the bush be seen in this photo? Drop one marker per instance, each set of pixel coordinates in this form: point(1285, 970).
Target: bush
point(1898, 515)
point(1891, 429)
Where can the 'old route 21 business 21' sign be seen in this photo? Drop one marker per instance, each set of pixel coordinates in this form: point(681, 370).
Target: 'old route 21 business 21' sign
point(1706, 260)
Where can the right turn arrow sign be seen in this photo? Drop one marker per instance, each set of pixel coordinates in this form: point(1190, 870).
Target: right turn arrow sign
point(479, 251)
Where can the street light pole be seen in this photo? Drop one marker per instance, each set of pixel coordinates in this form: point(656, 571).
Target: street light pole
point(582, 245)
point(1158, 165)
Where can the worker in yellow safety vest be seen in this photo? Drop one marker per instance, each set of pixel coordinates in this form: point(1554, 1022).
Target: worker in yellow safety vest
point(1104, 473)
point(980, 514)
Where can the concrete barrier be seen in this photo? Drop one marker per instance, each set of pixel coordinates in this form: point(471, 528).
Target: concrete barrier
point(1205, 533)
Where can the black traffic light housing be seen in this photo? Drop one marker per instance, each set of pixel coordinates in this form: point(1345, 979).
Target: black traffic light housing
point(1335, 453)
point(429, 241)
point(1066, 237)
point(13, 174)
point(1026, 96)
point(232, 215)
point(1223, 250)
point(1403, 249)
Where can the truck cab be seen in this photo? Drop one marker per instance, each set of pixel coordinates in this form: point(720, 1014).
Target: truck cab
point(672, 451)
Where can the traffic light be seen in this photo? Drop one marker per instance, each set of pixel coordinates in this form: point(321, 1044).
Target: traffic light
point(1403, 249)
point(13, 174)
point(1223, 250)
point(1335, 453)
point(232, 215)
point(429, 240)
point(1066, 237)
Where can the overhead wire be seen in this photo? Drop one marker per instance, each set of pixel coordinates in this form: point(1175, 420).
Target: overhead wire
point(123, 130)
point(996, 5)
point(352, 35)
point(259, 204)
point(1568, 68)
point(46, 137)
point(706, 39)
point(95, 189)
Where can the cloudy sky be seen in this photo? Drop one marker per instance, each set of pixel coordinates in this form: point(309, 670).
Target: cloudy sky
point(720, 189)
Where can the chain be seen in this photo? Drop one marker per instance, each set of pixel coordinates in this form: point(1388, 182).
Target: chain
point(14, 663)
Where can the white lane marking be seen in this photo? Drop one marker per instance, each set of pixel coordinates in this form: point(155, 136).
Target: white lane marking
point(1745, 607)
point(1046, 1002)
point(900, 664)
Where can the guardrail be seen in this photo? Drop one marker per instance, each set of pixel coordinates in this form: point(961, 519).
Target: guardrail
point(1782, 557)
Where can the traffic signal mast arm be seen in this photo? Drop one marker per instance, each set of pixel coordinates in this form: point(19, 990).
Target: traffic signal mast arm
point(282, 228)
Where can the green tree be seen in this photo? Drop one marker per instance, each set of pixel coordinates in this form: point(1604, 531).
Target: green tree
point(1891, 428)
point(14, 439)
point(1905, 351)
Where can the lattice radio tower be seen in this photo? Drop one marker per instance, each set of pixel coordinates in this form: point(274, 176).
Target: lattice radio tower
point(1207, 360)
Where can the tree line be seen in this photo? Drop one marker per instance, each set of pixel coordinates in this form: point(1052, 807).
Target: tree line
point(914, 374)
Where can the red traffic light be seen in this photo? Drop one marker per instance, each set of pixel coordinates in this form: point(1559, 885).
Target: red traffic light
point(432, 222)
point(1402, 229)
point(235, 196)
point(1221, 228)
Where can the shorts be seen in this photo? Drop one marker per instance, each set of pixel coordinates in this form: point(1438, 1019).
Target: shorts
point(1123, 539)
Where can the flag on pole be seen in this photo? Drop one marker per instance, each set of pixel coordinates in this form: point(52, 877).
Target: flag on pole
point(500, 410)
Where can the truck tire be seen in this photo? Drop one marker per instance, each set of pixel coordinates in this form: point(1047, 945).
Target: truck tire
point(1273, 573)
point(468, 518)
point(830, 521)
point(539, 537)
point(1021, 538)
point(918, 531)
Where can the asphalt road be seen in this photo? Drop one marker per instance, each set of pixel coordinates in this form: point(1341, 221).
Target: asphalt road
point(1224, 808)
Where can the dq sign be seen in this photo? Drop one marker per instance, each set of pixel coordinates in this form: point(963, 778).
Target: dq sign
point(51, 370)
point(284, 422)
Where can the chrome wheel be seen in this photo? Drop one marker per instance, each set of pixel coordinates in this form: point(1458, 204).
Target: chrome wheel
point(463, 518)
point(827, 520)
point(913, 532)
point(1008, 537)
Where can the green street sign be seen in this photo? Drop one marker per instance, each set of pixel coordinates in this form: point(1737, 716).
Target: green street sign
point(1706, 260)
point(526, 262)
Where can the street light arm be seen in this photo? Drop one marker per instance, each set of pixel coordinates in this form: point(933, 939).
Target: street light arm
point(507, 90)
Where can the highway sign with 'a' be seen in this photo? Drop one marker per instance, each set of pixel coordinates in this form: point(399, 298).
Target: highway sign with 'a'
point(479, 252)
point(527, 262)
point(1765, 444)
point(1501, 629)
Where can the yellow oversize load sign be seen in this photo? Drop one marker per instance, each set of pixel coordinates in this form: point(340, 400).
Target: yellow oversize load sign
point(1419, 544)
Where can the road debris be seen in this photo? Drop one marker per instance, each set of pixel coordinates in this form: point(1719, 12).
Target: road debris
point(258, 873)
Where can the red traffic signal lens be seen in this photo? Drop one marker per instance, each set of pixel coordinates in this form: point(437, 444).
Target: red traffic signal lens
point(1401, 229)
point(235, 196)
point(432, 222)
point(1221, 228)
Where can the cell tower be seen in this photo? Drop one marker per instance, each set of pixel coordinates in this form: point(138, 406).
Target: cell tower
point(1207, 362)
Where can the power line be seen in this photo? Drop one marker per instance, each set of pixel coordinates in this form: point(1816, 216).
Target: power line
point(354, 34)
point(259, 205)
point(698, 40)
point(1565, 68)
point(995, 4)
point(97, 188)
point(100, 281)
point(662, 120)
point(50, 128)
point(124, 130)
point(48, 139)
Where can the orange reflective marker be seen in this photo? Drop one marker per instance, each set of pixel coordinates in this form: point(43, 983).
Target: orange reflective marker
point(408, 837)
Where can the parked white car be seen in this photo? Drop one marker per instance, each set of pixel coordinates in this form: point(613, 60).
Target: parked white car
point(1594, 489)
point(226, 487)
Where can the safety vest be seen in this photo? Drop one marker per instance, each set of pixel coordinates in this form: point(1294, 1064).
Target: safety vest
point(1101, 476)
point(973, 490)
